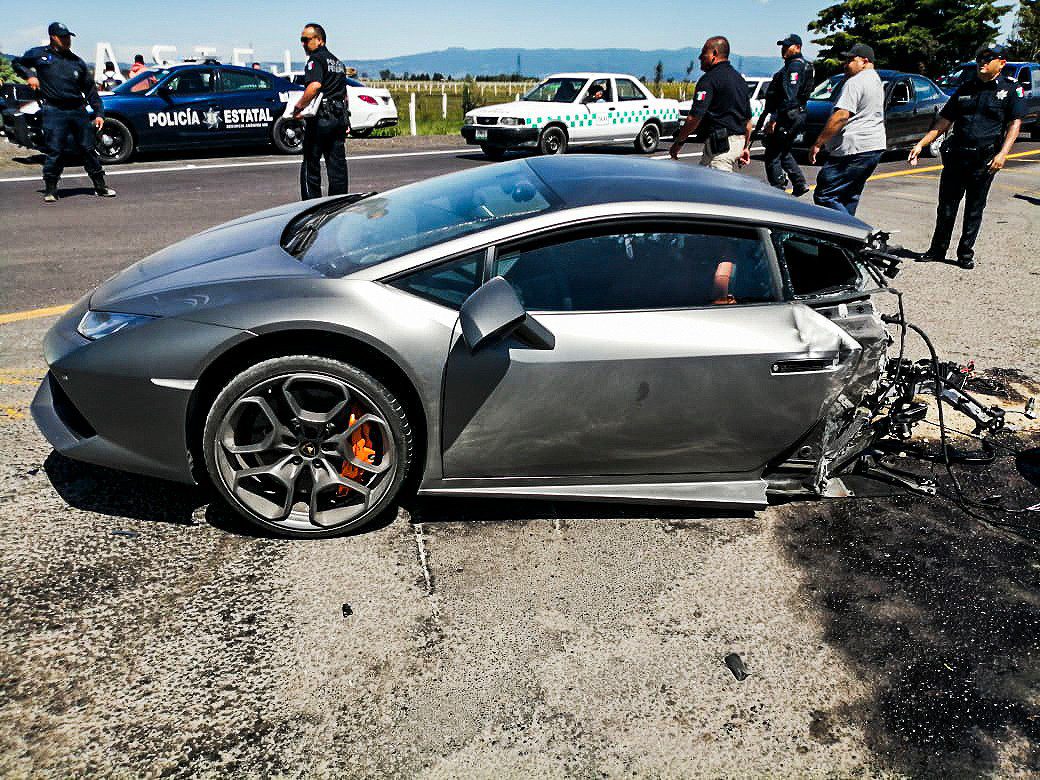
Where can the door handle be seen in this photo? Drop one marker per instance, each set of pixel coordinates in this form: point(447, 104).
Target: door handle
point(611, 109)
point(805, 365)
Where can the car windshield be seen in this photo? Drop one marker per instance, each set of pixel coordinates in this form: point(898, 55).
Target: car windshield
point(140, 83)
point(420, 215)
point(563, 90)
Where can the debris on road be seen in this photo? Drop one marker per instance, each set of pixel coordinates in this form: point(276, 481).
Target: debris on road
point(736, 665)
point(122, 532)
point(347, 611)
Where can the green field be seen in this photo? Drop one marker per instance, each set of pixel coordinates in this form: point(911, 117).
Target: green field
point(429, 119)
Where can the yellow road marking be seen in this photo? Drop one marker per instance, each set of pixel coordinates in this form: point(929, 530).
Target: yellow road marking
point(11, 413)
point(32, 314)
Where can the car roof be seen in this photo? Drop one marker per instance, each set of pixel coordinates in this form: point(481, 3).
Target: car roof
point(589, 180)
point(601, 74)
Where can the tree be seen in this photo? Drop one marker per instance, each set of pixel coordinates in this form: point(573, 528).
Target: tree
point(386, 74)
point(1025, 36)
point(923, 36)
point(7, 73)
point(658, 72)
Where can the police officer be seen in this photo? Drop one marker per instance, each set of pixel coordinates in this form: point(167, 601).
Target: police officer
point(986, 115)
point(67, 86)
point(326, 131)
point(786, 97)
point(721, 111)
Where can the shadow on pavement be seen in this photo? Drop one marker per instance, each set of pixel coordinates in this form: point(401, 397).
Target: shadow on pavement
point(940, 613)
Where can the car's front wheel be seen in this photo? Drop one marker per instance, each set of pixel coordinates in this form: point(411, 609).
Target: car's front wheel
point(553, 141)
point(115, 142)
point(307, 446)
point(648, 139)
point(287, 135)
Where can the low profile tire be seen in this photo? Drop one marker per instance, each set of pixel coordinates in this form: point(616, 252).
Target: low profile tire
point(307, 447)
point(364, 132)
point(493, 153)
point(649, 138)
point(287, 135)
point(553, 141)
point(115, 142)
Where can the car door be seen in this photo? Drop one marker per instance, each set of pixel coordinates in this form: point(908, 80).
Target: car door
point(633, 109)
point(929, 100)
point(672, 353)
point(190, 112)
point(585, 124)
point(250, 104)
point(900, 119)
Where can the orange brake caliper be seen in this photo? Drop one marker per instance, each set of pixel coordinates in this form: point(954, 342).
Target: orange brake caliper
point(361, 445)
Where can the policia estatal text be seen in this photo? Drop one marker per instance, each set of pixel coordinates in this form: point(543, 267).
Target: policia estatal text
point(785, 113)
point(66, 87)
point(986, 114)
point(326, 131)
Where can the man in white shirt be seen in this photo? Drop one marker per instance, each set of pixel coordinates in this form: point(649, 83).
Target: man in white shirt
point(854, 136)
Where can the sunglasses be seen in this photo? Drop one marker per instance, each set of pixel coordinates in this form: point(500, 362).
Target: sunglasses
point(305, 38)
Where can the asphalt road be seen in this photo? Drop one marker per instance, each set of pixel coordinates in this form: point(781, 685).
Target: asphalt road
point(146, 631)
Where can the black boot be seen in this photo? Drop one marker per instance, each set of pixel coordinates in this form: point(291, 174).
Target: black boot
point(101, 189)
point(50, 190)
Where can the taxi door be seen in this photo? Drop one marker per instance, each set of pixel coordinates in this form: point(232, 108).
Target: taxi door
point(592, 115)
point(251, 105)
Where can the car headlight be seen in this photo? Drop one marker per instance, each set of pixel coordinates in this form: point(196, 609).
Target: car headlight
point(98, 324)
point(510, 120)
point(469, 119)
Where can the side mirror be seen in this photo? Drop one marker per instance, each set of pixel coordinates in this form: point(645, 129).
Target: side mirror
point(494, 312)
point(163, 91)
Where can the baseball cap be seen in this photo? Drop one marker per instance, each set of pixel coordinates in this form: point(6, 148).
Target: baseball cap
point(59, 29)
point(996, 51)
point(859, 50)
point(790, 40)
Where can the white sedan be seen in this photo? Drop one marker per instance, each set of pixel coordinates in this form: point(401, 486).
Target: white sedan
point(574, 109)
point(756, 85)
point(370, 108)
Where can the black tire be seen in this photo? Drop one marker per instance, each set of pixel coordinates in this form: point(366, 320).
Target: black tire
point(115, 142)
point(287, 135)
point(269, 380)
point(553, 140)
point(493, 153)
point(649, 138)
point(364, 132)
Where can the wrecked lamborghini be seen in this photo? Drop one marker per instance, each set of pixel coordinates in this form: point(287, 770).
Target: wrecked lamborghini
point(579, 327)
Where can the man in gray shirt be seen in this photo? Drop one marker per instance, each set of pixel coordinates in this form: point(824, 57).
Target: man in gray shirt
point(854, 136)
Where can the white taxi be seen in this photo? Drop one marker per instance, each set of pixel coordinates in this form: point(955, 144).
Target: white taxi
point(574, 109)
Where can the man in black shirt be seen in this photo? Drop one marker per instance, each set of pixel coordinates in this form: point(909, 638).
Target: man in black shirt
point(985, 113)
point(721, 111)
point(326, 131)
point(66, 87)
point(785, 113)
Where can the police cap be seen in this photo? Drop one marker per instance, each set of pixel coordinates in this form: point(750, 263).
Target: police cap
point(790, 40)
point(994, 52)
point(60, 30)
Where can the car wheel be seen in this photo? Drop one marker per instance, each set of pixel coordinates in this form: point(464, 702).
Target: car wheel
point(553, 141)
point(287, 135)
point(648, 139)
point(307, 446)
point(115, 142)
point(363, 132)
point(493, 153)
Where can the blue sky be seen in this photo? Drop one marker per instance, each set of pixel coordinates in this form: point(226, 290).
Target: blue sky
point(394, 27)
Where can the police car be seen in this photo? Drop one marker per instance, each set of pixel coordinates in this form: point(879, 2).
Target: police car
point(574, 109)
point(189, 105)
point(757, 86)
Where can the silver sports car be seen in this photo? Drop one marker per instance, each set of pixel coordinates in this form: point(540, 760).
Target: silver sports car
point(579, 327)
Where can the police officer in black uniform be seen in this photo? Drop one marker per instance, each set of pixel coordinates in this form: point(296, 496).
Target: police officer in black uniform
point(786, 96)
point(66, 86)
point(986, 115)
point(326, 131)
point(720, 113)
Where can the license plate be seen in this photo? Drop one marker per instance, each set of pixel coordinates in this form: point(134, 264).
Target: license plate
point(481, 135)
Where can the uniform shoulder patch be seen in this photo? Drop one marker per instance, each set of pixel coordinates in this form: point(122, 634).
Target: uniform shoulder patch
point(701, 95)
point(310, 64)
point(794, 77)
point(1020, 91)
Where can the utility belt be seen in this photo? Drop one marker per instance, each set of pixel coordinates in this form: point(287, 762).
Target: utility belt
point(716, 140)
point(791, 116)
point(332, 109)
point(969, 154)
point(64, 105)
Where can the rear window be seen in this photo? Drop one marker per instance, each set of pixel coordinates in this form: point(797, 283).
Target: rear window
point(815, 267)
point(421, 215)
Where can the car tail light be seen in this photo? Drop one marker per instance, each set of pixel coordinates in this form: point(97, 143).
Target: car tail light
point(368, 99)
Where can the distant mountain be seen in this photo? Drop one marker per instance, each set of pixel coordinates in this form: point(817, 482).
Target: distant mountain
point(457, 62)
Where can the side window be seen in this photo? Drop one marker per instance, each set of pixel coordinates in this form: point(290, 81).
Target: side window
point(924, 88)
point(627, 90)
point(641, 269)
point(901, 94)
point(1036, 81)
point(599, 91)
point(237, 81)
point(817, 267)
point(191, 82)
point(448, 284)
point(1025, 78)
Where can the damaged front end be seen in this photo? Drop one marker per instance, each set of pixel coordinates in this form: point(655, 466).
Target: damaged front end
point(878, 406)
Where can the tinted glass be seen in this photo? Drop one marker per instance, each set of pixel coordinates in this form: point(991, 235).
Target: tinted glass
point(640, 270)
point(556, 91)
point(448, 284)
point(816, 267)
point(627, 90)
point(191, 82)
point(828, 89)
point(924, 89)
point(426, 213)
point(140, 83)
point(1025, 78)
point(354, 83)
point(902, 94)
point(238, 81)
